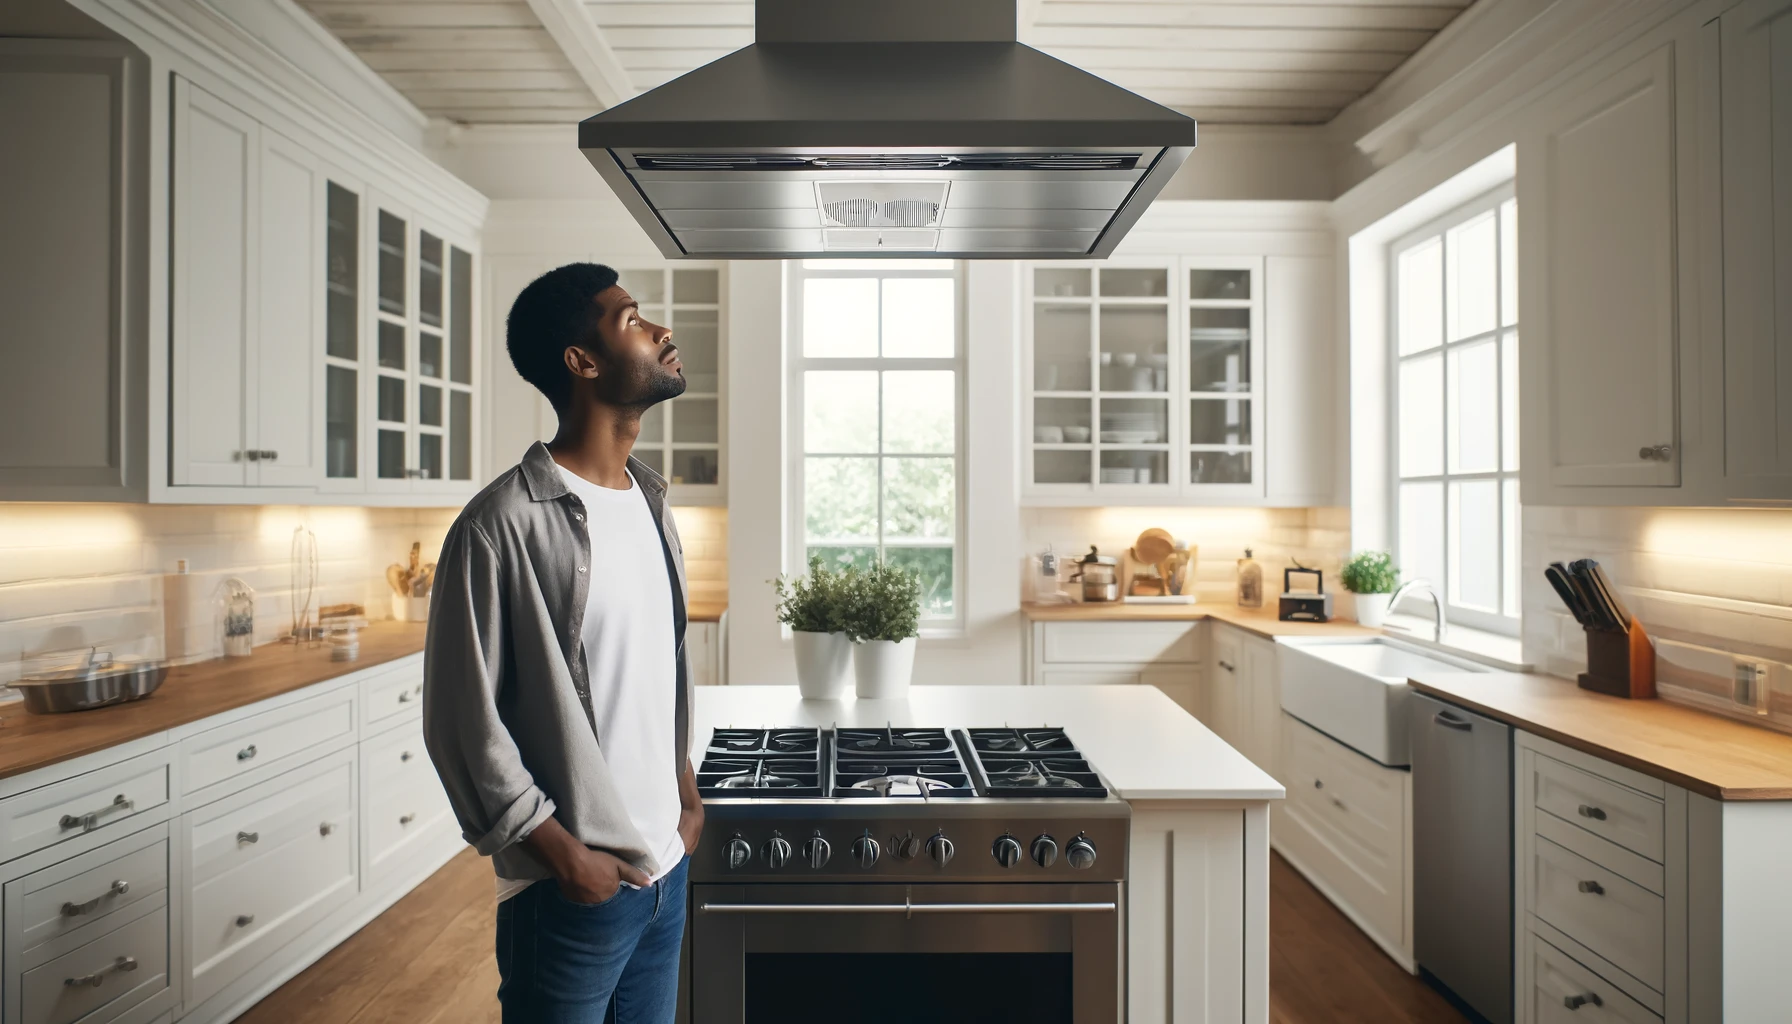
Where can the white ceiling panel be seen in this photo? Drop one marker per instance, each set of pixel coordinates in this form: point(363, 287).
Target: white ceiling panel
point(1246, 61)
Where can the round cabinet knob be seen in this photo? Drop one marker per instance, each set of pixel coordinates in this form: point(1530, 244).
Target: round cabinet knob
point(739, 853)
point(816, 852)
point(1080, 853)
point(908, 847)
point(865, 851)
point(1006, 851)
point(777, 852)
point(1045, 851)
point(940, 849)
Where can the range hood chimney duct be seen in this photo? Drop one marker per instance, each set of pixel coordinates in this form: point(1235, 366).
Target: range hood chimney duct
point(887, 128)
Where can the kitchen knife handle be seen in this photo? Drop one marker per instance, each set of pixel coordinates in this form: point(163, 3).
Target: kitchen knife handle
point(1610, 593)
point(1558, 578)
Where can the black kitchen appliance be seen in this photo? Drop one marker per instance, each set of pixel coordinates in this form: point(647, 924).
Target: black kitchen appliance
point(979, 870)
point(1306, 605)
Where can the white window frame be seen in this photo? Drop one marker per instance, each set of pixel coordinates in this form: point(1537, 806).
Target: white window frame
point(796, 364)
point(1474, 618)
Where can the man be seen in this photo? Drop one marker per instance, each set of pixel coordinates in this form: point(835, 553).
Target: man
point(556, 702)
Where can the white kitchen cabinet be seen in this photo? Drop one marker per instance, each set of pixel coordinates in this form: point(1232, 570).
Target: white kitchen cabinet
point(73, 414)
point(1599, 272)
point(1756, 45)
point(1170, 380)
point(1244, 696)
point(1167, 655)
point(705, 650)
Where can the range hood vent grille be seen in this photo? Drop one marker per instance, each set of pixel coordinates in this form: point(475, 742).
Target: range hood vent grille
point(888, 162)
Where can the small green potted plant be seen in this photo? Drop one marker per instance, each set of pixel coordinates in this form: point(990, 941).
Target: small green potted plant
point(883, 618)
point(814, 607)
point(1372, 577)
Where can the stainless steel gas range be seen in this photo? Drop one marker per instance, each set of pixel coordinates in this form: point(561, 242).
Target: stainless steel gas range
point(888, 874)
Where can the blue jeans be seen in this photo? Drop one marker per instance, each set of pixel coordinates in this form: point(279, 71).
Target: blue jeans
point(561, 962)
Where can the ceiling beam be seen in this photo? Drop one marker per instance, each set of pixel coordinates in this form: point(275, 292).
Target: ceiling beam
point(570, 24)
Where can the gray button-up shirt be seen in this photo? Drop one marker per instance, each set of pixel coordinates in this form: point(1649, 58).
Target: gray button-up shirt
point(506, 700)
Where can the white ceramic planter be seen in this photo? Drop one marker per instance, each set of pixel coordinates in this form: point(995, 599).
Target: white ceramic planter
point(410, 609)
point(883, 668)
point(821, 664)
point(1372, 609)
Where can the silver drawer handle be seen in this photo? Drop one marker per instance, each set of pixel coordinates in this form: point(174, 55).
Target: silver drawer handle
point(1656, 453)
point(408, 818)
point(1339, 804)
point(1318, 783)
point(326, 828)
point(1228, 666)
point(1592, 888)
point(246, 753)
point(404, 697)
point(122, 965)
point(905, 908)
point(406, 756)
point(248, 837)
point(245, 920)
point(91, 820)
point(1576, 1002)
point(1589, 811)
point(119, 888)
point(1449, 721)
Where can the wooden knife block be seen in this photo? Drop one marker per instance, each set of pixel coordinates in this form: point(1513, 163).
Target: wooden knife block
point(1620, 663)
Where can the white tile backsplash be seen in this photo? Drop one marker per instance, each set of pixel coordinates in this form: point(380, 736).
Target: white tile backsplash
point(1716, 578)
point(1317, 537)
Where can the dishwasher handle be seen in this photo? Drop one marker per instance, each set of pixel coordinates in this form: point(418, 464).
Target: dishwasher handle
point(1449, 721)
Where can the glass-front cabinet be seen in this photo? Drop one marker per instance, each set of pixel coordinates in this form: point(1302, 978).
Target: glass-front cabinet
point(682, 439)
point(422, 405)
point(1143, 377)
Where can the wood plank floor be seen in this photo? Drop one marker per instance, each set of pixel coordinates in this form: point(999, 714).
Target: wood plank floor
point(428, 960)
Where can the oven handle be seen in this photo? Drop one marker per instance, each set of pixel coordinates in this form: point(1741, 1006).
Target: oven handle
point(906, 909)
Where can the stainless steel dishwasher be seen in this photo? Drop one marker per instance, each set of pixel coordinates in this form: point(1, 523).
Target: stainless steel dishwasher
point(1462, 853)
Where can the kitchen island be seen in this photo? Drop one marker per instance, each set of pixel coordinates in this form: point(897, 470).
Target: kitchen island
point(1196, 932)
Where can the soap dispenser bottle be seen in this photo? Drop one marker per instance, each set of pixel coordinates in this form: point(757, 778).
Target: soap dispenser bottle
point(1250, 582)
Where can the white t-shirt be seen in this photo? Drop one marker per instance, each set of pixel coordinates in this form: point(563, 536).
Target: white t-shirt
point(632, 663)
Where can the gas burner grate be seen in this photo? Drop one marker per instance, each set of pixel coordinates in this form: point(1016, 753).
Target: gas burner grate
point(1022, 763)
point(1017, 742)
point(890, 740)
point(762, 762)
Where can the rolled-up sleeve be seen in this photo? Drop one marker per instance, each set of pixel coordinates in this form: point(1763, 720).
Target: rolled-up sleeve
point(491, 790)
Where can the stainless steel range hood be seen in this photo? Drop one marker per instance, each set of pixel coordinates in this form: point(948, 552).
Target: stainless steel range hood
point(895, 128)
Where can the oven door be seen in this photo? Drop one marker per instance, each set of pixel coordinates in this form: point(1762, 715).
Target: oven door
point(1046, 954)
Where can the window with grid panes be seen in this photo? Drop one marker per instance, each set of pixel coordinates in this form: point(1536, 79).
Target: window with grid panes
point(681, 439)
point(876, 390)
point(1455, 391)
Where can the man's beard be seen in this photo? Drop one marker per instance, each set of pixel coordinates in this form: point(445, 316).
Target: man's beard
point(655, 384)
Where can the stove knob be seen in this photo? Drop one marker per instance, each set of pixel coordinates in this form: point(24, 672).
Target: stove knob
point(1006, 851)
point(908, 847)
point(865, 851)
point(940, 849)
point(1080, 853)
point(777, 852)
point(816, 852)
point(739, 853)
point(1045, 851)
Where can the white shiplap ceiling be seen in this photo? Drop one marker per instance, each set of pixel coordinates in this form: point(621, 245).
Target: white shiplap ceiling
point(1244, 62)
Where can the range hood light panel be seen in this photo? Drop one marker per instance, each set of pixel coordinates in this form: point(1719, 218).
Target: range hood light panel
point(868, 204)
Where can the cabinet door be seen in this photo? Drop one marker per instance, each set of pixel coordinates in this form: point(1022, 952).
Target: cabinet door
point(216, 157)
point(1221, 335)
point(1264, 681)
point(1222, 694)
point(1757, 224)
point(288, 356)
point(1597, 252)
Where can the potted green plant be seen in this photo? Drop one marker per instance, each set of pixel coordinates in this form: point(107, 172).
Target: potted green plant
point(1372, 577)
point(883, 616)
point(814, 607)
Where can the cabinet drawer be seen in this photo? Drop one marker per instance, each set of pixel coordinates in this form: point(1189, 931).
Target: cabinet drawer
point(102, 979)
point(103, 801)
point(232, 750)
point(1123, 642)
point(266, 867)
point(87, 891)
point(1610, 811)
point(1090, 675)
point(1564, 992)
point(1595, 906)
point(402, 814)
point(1362, 798)
point(391, 694)
point(396, 758)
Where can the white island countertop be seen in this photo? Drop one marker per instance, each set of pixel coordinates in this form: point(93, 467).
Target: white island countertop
point(1141, 741)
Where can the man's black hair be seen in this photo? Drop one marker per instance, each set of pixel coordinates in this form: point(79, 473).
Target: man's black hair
point(556, 311)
